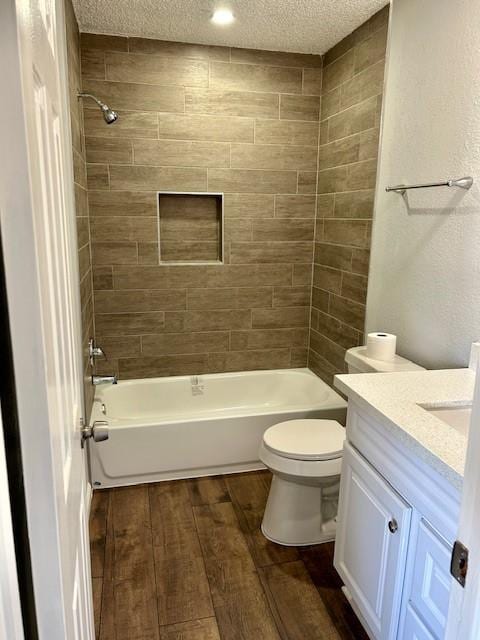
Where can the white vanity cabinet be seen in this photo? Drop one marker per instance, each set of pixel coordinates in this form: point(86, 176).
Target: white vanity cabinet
point(371, 544)
point(396, 526)
point(427, 583)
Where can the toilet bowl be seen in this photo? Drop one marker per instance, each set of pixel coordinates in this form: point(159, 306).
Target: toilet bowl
point(305, 458)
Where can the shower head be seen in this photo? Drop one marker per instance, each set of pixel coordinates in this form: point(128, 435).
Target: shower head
point(109, 115)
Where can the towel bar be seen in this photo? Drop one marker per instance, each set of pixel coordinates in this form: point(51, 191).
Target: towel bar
point(462, 183)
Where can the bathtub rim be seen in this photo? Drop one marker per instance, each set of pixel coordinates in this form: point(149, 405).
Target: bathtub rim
point(333, 401)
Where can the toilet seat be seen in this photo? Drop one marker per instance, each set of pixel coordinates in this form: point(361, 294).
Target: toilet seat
point(299, 470)
point(306, 440)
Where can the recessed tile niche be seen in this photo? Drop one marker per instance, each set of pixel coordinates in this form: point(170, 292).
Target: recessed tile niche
point(190, 227)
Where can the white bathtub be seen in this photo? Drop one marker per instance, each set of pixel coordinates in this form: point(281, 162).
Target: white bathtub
point(165, 428)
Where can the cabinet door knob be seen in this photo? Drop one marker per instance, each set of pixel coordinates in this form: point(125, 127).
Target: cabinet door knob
point(393, 525)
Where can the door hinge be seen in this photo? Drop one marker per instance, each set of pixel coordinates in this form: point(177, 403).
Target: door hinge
point(459, 563)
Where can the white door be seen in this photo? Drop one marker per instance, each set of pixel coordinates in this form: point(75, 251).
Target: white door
point(39, 239)
point(464, 611)
point(371, 544)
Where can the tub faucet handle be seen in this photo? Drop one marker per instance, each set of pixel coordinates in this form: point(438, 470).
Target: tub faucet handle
point(99, 431)
point(95, 352)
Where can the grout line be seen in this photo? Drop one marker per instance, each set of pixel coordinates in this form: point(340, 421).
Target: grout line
point(154, 166)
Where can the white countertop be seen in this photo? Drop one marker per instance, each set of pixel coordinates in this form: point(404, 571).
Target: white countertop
point(396, 397)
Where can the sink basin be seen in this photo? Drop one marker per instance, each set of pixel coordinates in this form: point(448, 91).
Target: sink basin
point(457, 417)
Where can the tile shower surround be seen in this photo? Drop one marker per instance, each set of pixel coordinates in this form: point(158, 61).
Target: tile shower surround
point(349, 130)
point(246, 123)
point(81, 196)
point(196, 118)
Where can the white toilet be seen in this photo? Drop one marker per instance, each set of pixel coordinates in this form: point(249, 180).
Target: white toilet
point(305, 458)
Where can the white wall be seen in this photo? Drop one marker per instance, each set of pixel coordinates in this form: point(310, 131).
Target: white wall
point(425, 270)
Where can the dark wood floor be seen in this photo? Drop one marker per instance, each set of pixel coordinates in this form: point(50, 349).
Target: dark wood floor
point(186, 560)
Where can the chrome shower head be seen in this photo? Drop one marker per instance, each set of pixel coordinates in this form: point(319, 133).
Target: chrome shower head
point(109, 115)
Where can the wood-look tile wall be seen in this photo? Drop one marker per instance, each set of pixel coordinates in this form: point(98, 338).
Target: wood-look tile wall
point(81, 196)
point(199, 118)
point(351, 105)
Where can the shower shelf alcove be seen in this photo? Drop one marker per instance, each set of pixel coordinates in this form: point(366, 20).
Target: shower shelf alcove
point(190, 227)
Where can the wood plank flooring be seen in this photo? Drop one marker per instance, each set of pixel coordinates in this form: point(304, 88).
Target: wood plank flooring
point(186, 560)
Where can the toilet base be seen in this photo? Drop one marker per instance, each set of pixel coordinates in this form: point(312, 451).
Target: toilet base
point(325, 538)
point(301, 514)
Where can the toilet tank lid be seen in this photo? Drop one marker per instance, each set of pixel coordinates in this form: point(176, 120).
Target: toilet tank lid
point(357, 357)
point(308, 439)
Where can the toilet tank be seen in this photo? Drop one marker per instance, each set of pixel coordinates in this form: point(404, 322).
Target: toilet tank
point(358, 362)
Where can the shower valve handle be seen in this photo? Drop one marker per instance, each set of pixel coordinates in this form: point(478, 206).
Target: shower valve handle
point(98, 431)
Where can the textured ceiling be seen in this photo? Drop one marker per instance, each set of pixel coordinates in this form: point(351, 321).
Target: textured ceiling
point(307, 26)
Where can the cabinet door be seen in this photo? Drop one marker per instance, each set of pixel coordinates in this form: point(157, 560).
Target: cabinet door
point(371, 545)
point(414, 627)
point(428, 590)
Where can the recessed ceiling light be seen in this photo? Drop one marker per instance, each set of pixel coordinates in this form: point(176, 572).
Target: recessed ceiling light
point(223, 16)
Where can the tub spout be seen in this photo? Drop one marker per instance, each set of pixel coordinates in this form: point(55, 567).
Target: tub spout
point(104, 380)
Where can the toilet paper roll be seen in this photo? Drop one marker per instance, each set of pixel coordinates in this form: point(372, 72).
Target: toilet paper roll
point(381, 346)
